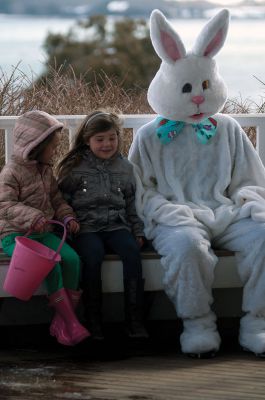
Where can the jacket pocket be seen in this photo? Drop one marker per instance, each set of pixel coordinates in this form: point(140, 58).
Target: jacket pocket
point(117, 184)
point(86, 182)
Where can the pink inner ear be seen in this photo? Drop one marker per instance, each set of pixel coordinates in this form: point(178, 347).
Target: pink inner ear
point(215, 43)
point(170, 46)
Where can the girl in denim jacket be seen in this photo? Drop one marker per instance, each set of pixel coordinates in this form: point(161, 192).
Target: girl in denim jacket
point(99, 185)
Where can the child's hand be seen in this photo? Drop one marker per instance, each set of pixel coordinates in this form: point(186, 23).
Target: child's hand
point(40, 225)
point(73, 226)
point(140, 240)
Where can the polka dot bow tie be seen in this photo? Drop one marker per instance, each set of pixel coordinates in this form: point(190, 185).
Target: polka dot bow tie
point(167, 129)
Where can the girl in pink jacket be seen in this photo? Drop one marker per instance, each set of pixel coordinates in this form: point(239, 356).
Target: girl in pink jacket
point(29, 197)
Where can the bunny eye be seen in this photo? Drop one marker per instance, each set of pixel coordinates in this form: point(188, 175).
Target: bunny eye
point(206, 84)
point(187, 88)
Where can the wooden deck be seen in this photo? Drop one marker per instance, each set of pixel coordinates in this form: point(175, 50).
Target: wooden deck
point(33, 368)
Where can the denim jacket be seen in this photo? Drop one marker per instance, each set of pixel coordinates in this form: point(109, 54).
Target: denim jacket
point(102, 194)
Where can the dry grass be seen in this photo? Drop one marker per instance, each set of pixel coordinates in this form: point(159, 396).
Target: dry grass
point(69, 94)
point(241, 106)
point(66, 95)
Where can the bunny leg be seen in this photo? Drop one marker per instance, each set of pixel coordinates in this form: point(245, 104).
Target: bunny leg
point(188, 262)
point(247, 238)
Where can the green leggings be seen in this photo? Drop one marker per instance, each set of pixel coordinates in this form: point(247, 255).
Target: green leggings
point(65, 274)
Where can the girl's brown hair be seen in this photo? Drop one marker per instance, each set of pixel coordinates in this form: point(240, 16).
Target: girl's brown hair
point(97, 121)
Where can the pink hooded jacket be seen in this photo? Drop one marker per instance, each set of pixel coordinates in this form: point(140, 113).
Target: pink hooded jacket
point(28, 189)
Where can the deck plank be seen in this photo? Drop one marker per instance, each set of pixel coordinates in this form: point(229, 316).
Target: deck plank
point(151, 373)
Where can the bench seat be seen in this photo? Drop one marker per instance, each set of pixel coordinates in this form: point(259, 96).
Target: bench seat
point(226, 275)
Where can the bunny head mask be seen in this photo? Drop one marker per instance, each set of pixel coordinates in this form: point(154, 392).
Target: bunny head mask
point(187, 86)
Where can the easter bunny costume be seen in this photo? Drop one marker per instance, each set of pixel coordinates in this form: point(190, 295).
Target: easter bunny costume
point(200, 184)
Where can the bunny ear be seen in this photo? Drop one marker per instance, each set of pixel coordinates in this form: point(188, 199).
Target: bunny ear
point(213, 35)
point(165, 40)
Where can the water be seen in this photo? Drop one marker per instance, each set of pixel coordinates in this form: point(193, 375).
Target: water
point(22, 38)
point(242, 56)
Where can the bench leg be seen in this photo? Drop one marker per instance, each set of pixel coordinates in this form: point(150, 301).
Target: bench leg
point(2, 299)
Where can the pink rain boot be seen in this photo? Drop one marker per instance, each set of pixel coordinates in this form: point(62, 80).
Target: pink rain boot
point(57, 326)
point(68, 331)
point(74, 296)
point(58, 329)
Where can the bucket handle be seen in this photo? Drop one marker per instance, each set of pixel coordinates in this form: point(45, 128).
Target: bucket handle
point(53, 221)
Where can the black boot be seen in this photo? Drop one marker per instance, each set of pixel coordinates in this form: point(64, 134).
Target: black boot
point(92, 301)
point(134, 308)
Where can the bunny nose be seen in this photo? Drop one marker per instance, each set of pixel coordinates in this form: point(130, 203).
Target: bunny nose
point(197, 99)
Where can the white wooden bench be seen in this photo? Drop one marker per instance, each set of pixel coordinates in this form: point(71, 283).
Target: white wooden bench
point(227, 292)
point(112, 277)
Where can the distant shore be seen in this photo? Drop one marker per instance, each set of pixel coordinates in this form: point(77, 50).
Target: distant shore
point(200, 9)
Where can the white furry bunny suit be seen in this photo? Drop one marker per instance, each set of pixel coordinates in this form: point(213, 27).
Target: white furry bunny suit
point(195, 192)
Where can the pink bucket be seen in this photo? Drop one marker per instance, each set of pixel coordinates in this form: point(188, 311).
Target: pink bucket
point(31, 262)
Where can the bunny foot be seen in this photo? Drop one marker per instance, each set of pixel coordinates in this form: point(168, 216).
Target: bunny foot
point(252, 334)
point(200, 338)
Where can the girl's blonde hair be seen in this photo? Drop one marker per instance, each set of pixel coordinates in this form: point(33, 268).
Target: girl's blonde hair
point(97, 121)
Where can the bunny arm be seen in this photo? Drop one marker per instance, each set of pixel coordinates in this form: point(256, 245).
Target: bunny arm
point(188, 183)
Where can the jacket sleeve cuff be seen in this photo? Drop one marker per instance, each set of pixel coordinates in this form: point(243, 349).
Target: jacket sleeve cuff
point(68, 219)
point(39, 218)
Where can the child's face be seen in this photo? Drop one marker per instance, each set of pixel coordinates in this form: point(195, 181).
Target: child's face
point(104, 144)
point(49, 151)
